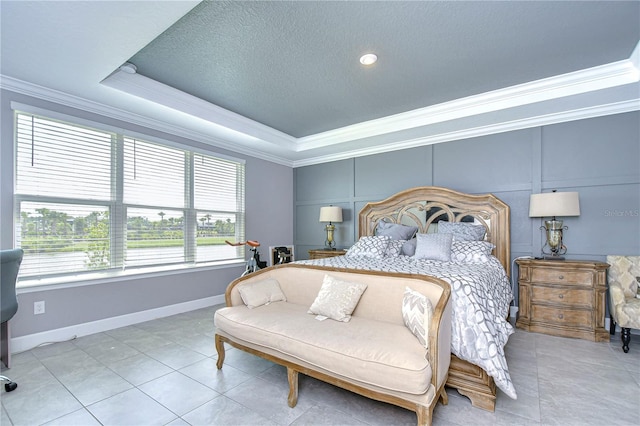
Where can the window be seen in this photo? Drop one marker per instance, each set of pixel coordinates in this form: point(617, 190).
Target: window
point(90, 200)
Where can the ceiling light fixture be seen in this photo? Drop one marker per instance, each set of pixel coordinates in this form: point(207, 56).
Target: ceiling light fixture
point(368, 59)
point(129, 68)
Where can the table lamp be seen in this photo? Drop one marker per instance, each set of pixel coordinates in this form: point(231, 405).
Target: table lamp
point(552, 204)
point(330, 214)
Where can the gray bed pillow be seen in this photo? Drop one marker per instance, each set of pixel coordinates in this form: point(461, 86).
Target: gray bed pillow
point(462, 231)
point(409, 247)
point(396, 231)
point(434, 247)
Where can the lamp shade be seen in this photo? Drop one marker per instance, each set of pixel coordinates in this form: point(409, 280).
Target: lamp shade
point(551, 204)
point(331, 214)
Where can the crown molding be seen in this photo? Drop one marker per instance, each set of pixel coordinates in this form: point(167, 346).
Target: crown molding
point(534, 121)
point(635, 59)
point(583, 81)
point(58, 97)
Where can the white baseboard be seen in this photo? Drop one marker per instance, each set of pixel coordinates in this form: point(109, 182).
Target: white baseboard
point(30, 341)
point(513, 312)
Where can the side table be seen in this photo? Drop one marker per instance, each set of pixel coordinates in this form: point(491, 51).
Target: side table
point(563, 298)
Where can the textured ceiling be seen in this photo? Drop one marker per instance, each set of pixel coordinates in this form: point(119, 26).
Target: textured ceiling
point(293, 66)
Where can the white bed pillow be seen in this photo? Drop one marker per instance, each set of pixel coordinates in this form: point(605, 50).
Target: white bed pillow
point(373, 246)
point(261, 292)
point(471, 251)
point(416, 313)
point(394, 249)
point(433, 247)
point(462, 231)
point(337, 298)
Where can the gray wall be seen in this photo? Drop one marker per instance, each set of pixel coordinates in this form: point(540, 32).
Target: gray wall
point(269, 208)
point(599, 158)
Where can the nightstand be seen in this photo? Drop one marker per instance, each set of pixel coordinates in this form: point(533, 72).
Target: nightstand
point(322, 253)
point(563, 298)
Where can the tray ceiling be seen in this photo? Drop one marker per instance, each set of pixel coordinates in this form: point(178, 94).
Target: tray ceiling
point(282, 79)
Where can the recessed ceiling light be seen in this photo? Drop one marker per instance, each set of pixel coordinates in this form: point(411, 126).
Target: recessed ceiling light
point(368, 59)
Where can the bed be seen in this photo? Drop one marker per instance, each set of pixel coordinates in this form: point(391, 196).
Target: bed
point(481, 291)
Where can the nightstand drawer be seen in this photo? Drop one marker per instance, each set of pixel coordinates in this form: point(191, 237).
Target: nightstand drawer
point(571, 297)
point(568, 317)
point(559, 276)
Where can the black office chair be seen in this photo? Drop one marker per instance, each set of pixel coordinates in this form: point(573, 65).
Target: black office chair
point(9, 265)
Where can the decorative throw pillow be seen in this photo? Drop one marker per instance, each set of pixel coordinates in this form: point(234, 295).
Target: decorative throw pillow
point(434, 247)
point(375, 246)
point(260, 293)
point(396, 231)
point(462, 231)
point(471, 251)
point(409, 247)
point(417, 312)
point(337, 298)
point(394, 249)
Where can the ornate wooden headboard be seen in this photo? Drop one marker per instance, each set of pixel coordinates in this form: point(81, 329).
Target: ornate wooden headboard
point(425, 206)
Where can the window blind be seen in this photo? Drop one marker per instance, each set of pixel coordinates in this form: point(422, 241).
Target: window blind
point(89, 200)
point(57, 159)
point(153, 174)
point(218, 194)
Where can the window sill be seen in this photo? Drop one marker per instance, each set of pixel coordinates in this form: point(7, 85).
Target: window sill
point(32, 285)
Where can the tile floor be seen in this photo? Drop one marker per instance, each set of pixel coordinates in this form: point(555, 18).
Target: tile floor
point(163, 372)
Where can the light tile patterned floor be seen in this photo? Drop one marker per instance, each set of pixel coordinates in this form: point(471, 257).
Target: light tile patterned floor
point(163, 372)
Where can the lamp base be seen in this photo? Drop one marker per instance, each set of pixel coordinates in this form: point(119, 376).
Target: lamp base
point(556, 249)
point(329, 243)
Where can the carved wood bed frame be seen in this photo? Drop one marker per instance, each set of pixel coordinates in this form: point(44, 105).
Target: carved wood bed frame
point(424, 206)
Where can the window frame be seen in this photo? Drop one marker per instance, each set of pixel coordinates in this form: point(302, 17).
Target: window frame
point(118, 209)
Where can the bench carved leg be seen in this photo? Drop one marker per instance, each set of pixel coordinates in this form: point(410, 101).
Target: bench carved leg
point(292, 376)
point(220, 350)
point(424, 415)
point(444, 397)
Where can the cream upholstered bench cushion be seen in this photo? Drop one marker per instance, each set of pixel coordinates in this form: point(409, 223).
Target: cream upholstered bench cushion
point(379, 353)
point(623, 287)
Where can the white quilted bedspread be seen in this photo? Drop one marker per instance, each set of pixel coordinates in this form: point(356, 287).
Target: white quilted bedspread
point(481, 294)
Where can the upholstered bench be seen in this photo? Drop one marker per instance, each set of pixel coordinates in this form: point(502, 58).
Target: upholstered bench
point(374, 352)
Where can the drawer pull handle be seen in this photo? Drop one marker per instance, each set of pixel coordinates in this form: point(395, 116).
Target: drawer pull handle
point(561, 296)
point(561, 277)
point(561, 316)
